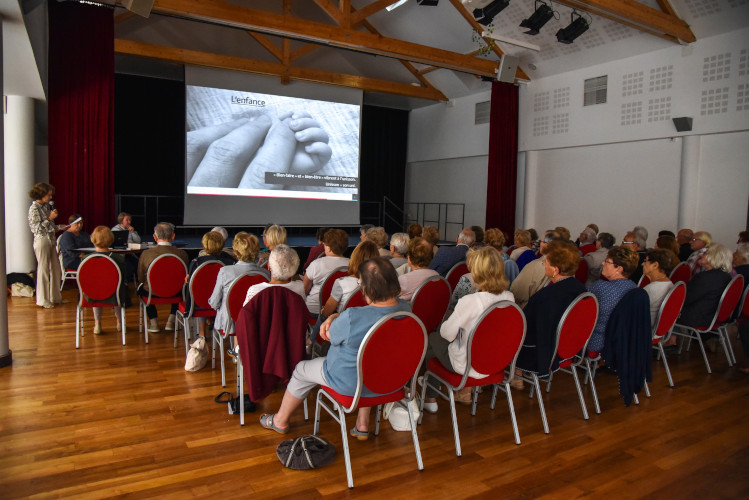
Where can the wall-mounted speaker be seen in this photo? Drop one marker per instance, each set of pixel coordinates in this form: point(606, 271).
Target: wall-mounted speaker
point(140, 7)
point(507, 68)
point(683, 124)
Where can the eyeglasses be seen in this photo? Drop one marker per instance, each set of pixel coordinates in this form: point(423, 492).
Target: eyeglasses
point(608, 261)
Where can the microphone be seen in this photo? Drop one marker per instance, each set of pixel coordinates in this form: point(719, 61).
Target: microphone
point(51, 204)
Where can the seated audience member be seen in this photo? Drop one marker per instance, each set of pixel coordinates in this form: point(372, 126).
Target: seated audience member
point(336, 244)
point(604, 243)
point(125, 223)
point(684, 239)
point(163, 233)
point(700, 244)
point(668, 243)
point(478, 232)
point(449, 347)
point(564, 232)
point(743, 237)
point(587, 241)
point(642, 233)
point(102, 238)
point(522, 254)
point(379, 237)
point(345, 331)
point(224, 236)
point(705, 288)
point(466, 285)
point(741, 262)
point(432, 235)
point(636, 243)
point(283, 263)
point(344, 287)
point(419, 258)
point(594, 227)
point(496, 238)
point(533, 276)
point(273, 236)
point(363, 231)
point(620, 263)
point(245, 248)
point(414, 230)
point(535, 242)
point(545, 308)
point(657, 266)
point(446, 257)
point(666, 232)
point(398, 249)
point(74, 237)
point(319, 249)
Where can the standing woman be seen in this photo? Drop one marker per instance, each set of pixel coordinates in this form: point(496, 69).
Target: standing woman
point(43, 227)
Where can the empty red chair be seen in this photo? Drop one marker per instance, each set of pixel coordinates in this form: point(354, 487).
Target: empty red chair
point(454, 274)
point(166, 281)
point(201, 285)
point(493, 345)
point(388, 362)
point(429, 302)
point(99, 280)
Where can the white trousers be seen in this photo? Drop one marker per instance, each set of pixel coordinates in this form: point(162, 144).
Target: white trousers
point(48, 273)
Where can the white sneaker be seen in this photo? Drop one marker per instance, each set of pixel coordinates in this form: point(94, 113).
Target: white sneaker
point(430, 407)
point(153, 326)
point(170, 323)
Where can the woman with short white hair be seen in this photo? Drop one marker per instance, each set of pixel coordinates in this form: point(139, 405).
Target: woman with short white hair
point(705, 289)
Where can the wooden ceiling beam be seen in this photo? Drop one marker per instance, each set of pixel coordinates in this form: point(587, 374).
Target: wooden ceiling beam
point(293, 27)
point(368, 10)
point(194, 57)
point(267, 44)
point(639, 14)
point(666, 7)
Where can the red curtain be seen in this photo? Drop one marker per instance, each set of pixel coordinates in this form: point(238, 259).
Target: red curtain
point(81, 111)
point(503, 158)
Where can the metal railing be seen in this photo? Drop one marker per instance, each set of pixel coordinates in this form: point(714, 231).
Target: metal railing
point(448, 217)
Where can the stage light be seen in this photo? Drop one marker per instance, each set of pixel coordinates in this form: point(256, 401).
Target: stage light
point(576, 28)
point(486, 15)
point(540, 17)
point(395, 5)
point(428, 2)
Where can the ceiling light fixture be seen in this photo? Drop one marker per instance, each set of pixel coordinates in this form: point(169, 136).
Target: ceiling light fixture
point(511, 41)
point(395, 5)
point(486, 15)
point(537, 20)
point(577, 27)
point(430, 3)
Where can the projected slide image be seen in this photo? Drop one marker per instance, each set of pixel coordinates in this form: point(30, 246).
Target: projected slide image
point(250, 144)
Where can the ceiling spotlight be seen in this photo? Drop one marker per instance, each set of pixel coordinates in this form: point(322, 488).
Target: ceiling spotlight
point(540, 17)
point(486, 15)
point(395, 5)
point(428, 2)
point(577, 27)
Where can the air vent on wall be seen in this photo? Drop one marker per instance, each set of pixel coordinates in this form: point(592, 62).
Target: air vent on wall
point(483, 110)
point(595, 90)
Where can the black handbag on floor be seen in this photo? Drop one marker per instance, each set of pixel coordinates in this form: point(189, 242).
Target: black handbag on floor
point(226, 397)
point(306, 452)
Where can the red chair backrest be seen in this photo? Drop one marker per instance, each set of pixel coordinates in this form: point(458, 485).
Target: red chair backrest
point(743, 311)
point(729, 300)
point(327, 285)
point(454, 274)
point(99, 279)
point(644, 281)
point(356, 299)
point(238, 292)
point(166, 276)
point(669, 311)
point(202, 283)
point(391, 353)
point(576, 326)
point(510, 249)
point(495, 341)
point(581, 274)
point(681, 272)
point(430, 301)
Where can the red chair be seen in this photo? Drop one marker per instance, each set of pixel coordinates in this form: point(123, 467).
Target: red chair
point(327, 287)
point(665, 321)
point(356, 299)
point(573, 334)
point(644, 281)
point(581, 274)
point(99, 280)
point(681, 272)
point(388, 362)
point(454, 274)
point(166, 281)
point(235, 301)
point(727, 305)
point(199, 289)
point(429, 302)
point(492, 347)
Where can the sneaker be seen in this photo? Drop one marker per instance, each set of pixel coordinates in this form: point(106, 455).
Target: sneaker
point(97, 329)
point(153, 326)
point(430, 407)
point(170, 323)
point(234, 353)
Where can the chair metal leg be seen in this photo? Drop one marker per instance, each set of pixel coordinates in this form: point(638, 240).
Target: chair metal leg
point(590, 374)
point(511, 407)
point(456, 435)
point(474, 400)
point(647, 389)
point(414, 436)
point(540, 402)
point(378, 413)
point(494, 396)
point(728, 341)
point(306, 410)
point(186, 324)
point(580, 392)
point(704, 354)
point(723, 336)
point(240, 378)
point(77, 327)
point(140, 315)
point(662, 355)
point(122, 325)
point(635, 399)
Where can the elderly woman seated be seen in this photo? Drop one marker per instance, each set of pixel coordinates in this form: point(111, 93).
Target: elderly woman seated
point(546, 307)
point(344, 287)
point(496, 238)
point(419, 257)
point(336, 243)
point(379, 237)
point(273, 235)
point(102, 238)
point(705, 288)
point(657, 266)
point(667, 242)
point(619, 264)
point(522, 253)
point(487, 268)
point(345, 331)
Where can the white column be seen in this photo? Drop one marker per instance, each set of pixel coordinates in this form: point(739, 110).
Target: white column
point(6, 357)
point(19, 178)
point(531, 190)
point(520, 192)
point(689, 182)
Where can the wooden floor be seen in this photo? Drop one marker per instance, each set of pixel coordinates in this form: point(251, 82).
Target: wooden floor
point(108, 420)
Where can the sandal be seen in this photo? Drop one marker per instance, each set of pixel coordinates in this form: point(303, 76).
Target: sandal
point(266, 420)
point(360, 435)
